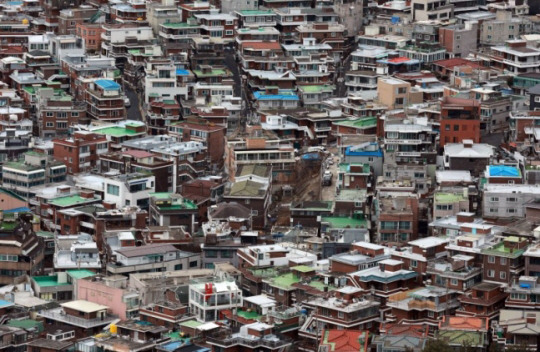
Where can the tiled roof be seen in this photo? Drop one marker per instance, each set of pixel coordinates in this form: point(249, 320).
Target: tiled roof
point(262, 45)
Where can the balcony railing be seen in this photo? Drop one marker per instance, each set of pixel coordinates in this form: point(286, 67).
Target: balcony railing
point(59, 315)
point(275, 342)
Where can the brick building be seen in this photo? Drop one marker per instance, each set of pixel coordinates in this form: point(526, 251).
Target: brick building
point(80, 152)
point(460, 120)
point(90, 34)
point(130, 161)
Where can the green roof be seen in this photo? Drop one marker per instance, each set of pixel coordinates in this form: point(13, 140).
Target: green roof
point(317, 89)
point(362, 123)
point(68, 201)
point(214, 72)
point(8, 225)
point(191, 324)
point(303, 268)
point(26, 324)
point(175, 336)
point(117, 131)
point(460, 337)
point(253, 315)
point(179, 25)
point(21, 165)
point(48, 281)
point(80, 273)
point(247, 188)
point(346, 167)
point(176, 203)
point(319, 285)
point(285, 281)
point(341, 222)
point(502, 251)
point(45, 234)
point(256, 12)
point(447, 198)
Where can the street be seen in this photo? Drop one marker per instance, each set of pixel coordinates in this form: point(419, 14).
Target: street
point(133, 112)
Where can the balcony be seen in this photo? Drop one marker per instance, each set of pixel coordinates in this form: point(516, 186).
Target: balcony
point(59, 315)
point(268, 341)
point(86, 224)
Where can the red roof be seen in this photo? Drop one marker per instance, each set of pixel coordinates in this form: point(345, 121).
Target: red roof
point(405, 330)
point(138, 153)
point(262, 45)
point(345, 340)
point(397, 60)
point(457, 61)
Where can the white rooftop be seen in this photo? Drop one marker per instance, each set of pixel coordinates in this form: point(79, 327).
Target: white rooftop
point(261, 300)
point(84, 306)
point(428, 242)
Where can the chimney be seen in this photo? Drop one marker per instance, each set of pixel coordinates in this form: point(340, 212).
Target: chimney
point(531, 318)
point(109, 205)
point(87, 194)
point(468, 143)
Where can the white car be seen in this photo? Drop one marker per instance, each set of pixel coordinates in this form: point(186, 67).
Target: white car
point(127, 102)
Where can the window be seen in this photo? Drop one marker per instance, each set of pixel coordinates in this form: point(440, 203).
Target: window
point(178, 267)
point(503, 261)
point(112, 189)
point(456, 127)
point(491, 273)
point(280, 292)
point(341, 315)
point(494, 199)
point(193, 264)
point(228, 32)
point(453, 282)
point(414, 263)
point(50, 124)
point(49, 114)
point(430, 314)
point(401, 90)
point(502, 275)
point(491, 259)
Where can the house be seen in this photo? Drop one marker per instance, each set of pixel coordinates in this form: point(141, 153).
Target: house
point(155, 257)
point(503, 261)
point(104, 100)
point(36, 169)
point(516, 328)
point(345, 340)
point(112, 290)
point(81, 151)
point(484, 301)
point(86, 317)
point(344, 310)
point(207, 298)
point(23, 250)
point(256, 335)
point(468, 155)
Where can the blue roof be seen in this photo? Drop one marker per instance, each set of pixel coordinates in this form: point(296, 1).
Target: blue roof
point(180, 72)
point(311, 156)
point(263, 96)
point(377, 153)
point(17, 210)
point(5, 303)
point(503, 171)
point(107, 84)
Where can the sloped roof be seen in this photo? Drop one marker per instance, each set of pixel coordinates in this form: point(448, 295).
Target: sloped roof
point(247, 188)
point(345, 340)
